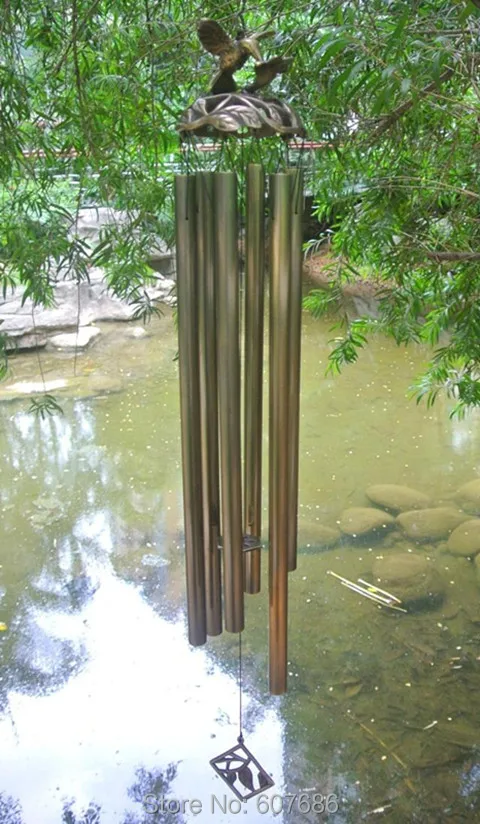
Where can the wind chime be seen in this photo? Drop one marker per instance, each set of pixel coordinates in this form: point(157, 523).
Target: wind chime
point(222, 519)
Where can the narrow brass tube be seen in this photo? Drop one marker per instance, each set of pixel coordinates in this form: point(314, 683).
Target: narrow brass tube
point(280, 193)
point(228, 359)
point(185, 224)
point(253, 370)
point(208, 401)
point(294, 359)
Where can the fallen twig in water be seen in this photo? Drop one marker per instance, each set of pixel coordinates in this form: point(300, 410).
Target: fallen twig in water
point(386, 599)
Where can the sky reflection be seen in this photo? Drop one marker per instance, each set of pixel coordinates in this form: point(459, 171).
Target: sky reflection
point(144, 697)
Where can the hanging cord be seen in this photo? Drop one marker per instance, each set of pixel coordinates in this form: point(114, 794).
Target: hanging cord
point(298, 201)
point(240, 737)
point(241, 17)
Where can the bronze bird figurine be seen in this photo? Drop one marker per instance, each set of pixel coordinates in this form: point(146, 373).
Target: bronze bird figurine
point(266, 72)
point(233, 54)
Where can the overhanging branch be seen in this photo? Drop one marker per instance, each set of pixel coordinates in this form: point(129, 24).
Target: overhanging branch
point(390, 119)
point(453, 257)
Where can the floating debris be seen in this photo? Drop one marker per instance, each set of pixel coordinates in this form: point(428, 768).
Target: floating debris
point(429, 726)
point(378, 810)
point(373, 593)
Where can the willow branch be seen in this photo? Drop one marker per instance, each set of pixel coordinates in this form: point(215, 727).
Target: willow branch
point(392, 118)
point(453, 257)
point(71, 42)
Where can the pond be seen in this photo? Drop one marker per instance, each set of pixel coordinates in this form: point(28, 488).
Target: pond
point(102, 700)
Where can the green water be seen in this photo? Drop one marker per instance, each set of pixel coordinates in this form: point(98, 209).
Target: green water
point(101, 698)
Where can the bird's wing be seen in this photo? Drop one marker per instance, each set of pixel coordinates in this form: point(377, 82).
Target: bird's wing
point(266, 71)
point(213, 37)
point(260, 35)
point(276, 65)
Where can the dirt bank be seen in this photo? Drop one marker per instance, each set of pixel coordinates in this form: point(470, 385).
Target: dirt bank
point(318, 269)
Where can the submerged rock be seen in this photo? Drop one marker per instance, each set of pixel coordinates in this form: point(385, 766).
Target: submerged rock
point(314, 535)
point(362, 520)
point(47, 502)
point(477, 565)
point(49, 510)
point(75, 340)
point(431, 524)
point(137, 332)
point(22, 388)
point(40, 520)
point(154, 561)
point(468, 497)
point(412, 578)
point(465, 539)
point(397, 498)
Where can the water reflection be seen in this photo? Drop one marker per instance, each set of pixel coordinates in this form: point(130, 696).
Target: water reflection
point(146, 792)
point(99, 689)
point(140, 694)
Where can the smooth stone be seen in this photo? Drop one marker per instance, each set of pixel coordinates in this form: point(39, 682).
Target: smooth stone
point(71, 341)
point(22, 343)
point(430, 524)
point(137, 332)
point(316, 535)
point(47, 502)
point(465, 539)
point(476, 561)
point(361, 520)
point(146, 501)
point(410, 577)
point(468, 497)
point(96, 385)
point(22, 388)
point(397, 498)
point(42, 519)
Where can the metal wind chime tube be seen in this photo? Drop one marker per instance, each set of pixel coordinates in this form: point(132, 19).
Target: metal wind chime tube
point(295, 328)
point(228, 359)
point(279, 459)
point(185, 209)
point(254, 307)
point(208, 401)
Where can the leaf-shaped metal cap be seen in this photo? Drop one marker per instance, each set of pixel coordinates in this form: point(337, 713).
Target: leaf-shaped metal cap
point(218, 114)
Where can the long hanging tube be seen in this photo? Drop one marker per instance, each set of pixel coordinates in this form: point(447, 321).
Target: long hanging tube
point(280, 192)
point(228, 360)
point(294, 359)
point(190, 405)
point(208, 401)
point(253, 370)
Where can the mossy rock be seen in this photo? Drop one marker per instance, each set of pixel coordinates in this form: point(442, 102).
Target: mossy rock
point(313, 536)
point(47, 502)
point(397, 498)
point(477, 565)
point(430, 524)
point(410, 577)
point(465, 539)
point(468, 497)
point(362, 521)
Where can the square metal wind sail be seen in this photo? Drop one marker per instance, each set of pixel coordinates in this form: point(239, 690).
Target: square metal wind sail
point(242, 772)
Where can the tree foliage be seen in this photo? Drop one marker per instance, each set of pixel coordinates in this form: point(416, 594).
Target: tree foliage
point(90, 91)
